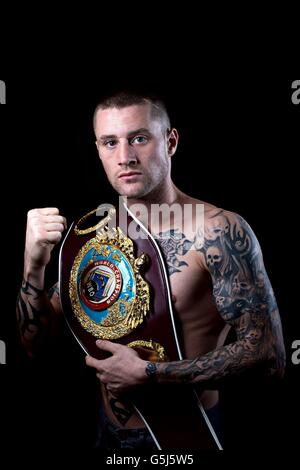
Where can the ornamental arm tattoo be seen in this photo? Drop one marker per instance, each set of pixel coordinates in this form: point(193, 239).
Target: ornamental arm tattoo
point(245, 300)
point(37, 316)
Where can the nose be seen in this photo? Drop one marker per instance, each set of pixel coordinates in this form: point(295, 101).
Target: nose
point(126, 154)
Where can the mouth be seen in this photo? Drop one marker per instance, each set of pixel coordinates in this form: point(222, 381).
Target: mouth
point(129, 174)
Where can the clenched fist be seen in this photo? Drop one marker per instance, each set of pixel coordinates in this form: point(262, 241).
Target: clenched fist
point(44, 231)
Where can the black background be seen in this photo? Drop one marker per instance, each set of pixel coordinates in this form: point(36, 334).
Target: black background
point(238, 150)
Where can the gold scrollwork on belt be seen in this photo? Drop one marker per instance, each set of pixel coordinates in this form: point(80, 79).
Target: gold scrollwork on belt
point(124, 314)
point(99, 225)
point(149, 350)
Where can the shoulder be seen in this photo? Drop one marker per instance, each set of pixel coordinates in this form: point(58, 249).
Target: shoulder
point(225, 230)
point(213, 216)
point(218, 221)
point(217, 225)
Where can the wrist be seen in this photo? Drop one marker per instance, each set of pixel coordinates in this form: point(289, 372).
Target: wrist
point(151, 371)
point(35, 275)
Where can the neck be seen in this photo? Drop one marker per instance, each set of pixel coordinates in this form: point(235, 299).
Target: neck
point(161, 195)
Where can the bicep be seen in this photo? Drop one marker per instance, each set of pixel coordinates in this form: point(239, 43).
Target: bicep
point(243, 293)
point(240, 282)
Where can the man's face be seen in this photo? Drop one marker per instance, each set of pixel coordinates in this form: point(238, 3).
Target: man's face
point(133, 148)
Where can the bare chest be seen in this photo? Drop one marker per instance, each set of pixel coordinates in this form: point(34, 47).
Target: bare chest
point(199, 322)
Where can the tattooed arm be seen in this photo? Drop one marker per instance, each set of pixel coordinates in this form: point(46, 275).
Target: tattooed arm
point(38, 316)
point(245, 300)
point(37, 311)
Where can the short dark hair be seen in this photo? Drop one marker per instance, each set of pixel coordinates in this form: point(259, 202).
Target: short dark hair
point(127, 98)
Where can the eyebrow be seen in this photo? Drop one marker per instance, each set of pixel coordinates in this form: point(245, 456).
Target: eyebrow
point(130, 134)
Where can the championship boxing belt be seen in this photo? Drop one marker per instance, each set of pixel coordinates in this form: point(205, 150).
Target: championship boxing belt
point(117, 289)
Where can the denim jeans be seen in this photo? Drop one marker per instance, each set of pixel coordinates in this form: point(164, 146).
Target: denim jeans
point(110, 437)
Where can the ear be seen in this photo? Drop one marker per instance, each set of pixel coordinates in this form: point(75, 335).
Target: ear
point(97, 145)
point(172, 141)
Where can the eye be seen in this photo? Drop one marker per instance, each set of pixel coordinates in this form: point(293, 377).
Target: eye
point(110, 143)
point(139, 139)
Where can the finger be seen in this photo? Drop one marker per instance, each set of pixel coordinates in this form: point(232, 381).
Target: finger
point(102, 380)
point(50, 219)
point(52, 237)
point(108, 346)
point(45, 211)
point(92, 362)
point(54, 227)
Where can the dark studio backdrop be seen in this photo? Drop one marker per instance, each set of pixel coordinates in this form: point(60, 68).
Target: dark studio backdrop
point(238, 150)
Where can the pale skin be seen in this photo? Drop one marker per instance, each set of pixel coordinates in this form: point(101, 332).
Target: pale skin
point(217, 278)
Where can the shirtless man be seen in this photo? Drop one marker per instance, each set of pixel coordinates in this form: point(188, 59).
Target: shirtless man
point(216, 272)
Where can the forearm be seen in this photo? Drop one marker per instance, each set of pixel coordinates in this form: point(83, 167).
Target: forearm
point(259, 343)
point(210, 368)
point(35, 314)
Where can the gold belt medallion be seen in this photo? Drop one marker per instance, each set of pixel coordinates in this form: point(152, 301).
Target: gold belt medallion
point(108, 294)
